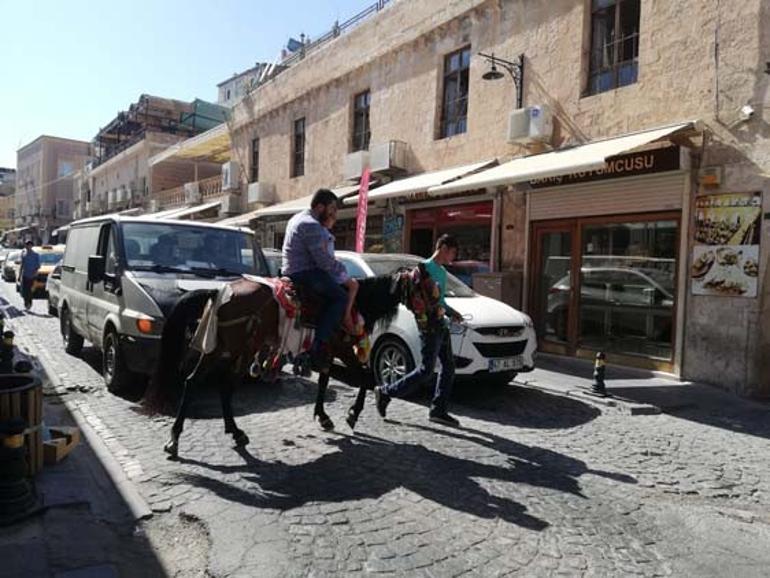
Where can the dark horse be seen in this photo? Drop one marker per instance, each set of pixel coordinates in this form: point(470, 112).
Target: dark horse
point(247, 325)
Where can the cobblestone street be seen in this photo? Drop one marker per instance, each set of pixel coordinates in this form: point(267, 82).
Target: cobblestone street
point(532, 483)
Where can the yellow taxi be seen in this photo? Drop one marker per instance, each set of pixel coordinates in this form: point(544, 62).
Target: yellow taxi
point(50, 255)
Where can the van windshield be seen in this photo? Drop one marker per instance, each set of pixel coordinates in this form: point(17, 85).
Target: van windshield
point(163, 247)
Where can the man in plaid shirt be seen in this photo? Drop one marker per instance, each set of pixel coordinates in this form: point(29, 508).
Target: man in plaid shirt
point(308, 262)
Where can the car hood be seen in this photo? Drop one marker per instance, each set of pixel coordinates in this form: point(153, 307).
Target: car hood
point(166, 289)
point(480, 311)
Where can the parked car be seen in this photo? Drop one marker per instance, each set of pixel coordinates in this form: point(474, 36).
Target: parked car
point(52, 287)
point(464, 270)
point(50, 255)
point(3, 254)
point(9, 266)
point(495, 340)
point(121, 275)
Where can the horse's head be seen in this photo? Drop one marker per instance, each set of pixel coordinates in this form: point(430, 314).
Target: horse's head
point(421, 295)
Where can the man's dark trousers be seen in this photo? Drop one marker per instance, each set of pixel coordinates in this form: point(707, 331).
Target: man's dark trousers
point(436, 345)
point(335, 300)
point(26, 290)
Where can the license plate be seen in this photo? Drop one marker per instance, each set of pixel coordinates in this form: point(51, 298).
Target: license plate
point(506, 364)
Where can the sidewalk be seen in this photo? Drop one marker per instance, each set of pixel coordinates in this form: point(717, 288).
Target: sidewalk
point(85, 529)
point(638, 391)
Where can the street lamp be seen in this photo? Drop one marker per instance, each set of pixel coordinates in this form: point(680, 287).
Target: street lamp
point(515, 69)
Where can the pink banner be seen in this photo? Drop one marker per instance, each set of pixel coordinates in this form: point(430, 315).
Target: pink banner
point(363, 209)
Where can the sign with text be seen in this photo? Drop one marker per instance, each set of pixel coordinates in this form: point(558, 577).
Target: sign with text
point(630, 165)
point(362, 212)
point(393, 233)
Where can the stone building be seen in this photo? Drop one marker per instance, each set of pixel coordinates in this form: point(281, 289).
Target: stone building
point(625, 208)
point(44, 186)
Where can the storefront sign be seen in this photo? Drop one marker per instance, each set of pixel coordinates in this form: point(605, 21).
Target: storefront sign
point(363, 209)
point(726, 251)
point(393, 233)
point(634, 164)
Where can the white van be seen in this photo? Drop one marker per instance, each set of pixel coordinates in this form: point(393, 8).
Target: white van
point(122, 276)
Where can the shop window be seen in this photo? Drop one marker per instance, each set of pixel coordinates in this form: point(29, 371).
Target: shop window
point(454, 102)
point(614, 56)
point(361, 128)
point(254, 160)
point(298, 148)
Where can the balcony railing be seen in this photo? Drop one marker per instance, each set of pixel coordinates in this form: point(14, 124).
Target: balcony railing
point(170, 197)
point(210, 187)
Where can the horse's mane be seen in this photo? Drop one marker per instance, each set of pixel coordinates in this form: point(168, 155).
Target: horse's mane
point(377, 301)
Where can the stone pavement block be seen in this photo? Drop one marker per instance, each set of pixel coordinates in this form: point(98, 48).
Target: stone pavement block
point(100, 571)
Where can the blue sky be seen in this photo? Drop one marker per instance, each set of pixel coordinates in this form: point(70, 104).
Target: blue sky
point(68, 66)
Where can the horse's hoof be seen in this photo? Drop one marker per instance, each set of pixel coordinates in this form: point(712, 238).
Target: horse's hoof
point(241, 439)
point(172, 448)
point(352, 418)
point(325, 422)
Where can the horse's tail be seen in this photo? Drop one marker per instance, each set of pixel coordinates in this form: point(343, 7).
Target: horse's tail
point(176, 361)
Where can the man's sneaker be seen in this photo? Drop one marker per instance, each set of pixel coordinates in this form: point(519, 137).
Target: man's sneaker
point(382, 400)
point(443, 418)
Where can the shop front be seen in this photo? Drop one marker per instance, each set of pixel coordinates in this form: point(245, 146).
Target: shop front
point(471, 224)
point(606, 261)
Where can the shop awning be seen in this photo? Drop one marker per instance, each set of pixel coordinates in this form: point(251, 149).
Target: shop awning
point(294, 206)
point(165, 213)
point(210, 146)
point(422, 182)
point(194, 210)
point(587, 157)
point(18, 230)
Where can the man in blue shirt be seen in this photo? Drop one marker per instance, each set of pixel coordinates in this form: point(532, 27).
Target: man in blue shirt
point(309, 262)
point(436, 345)
point(30, 265)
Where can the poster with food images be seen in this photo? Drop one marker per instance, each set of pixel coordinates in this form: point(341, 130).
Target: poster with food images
point(726, 253)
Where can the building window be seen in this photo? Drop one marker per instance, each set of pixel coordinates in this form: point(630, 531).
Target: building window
point(614, 44)
point(254, 160)
point(227, 95)
point(361, 129)
point(298, 148)
point(454, 104)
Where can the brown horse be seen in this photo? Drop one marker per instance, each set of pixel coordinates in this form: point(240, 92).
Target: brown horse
point(247, 326)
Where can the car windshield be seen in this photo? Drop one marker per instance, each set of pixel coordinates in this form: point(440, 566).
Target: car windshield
point(50, 258)
point(386, 266)
point(163, 247)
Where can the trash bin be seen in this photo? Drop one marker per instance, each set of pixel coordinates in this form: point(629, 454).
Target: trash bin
point(21, 396)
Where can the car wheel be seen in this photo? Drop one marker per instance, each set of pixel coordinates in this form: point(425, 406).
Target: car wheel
point(392, 360)
point(117, 377)
point(73, 343)
point(51, 309)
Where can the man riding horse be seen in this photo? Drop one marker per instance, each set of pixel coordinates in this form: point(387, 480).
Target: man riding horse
point(310, 264)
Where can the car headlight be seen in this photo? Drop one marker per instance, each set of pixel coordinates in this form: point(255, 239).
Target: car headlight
point(528, 321)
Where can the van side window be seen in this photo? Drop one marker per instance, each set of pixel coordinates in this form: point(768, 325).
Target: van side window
point(107, 249)
point(72, 244)
point(81, 244)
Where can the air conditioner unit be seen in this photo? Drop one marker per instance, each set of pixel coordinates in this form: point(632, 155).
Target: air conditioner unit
point(530, 124)
point(154, 206)
point(192, 193)
point(111, 198)
point(388, 157)
point(354, 164)
point(229, 176)
point(231, 205)
point(261, 193)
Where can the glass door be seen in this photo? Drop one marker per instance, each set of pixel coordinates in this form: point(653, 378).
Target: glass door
point(553, 297)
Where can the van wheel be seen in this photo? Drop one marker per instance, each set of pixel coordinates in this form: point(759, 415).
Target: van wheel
point(117, 377)
point(51, 309)
point(73, 343)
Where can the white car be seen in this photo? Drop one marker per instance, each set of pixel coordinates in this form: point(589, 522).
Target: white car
point(495, 340)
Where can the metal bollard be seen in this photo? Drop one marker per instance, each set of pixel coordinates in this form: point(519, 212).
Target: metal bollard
point(600, 366)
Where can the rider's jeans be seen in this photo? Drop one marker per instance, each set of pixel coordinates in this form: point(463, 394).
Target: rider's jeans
point(335, 300)
point(436, 345)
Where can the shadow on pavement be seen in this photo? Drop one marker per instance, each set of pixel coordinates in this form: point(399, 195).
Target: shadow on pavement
point(695, 402)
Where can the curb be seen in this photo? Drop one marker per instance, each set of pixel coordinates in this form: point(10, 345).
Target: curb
point(139, 508)
point(626, 406)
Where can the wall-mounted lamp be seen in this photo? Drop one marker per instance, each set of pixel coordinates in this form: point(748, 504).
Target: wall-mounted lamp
point(515, 69)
